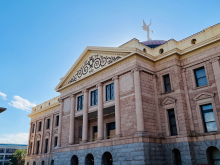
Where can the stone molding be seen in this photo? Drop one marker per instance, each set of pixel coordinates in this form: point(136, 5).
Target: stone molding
point(203, 95)
point(168, 100)
point(115, 78)
point(214, 59)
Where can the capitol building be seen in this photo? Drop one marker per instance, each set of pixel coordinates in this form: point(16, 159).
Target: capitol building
point(154, 102)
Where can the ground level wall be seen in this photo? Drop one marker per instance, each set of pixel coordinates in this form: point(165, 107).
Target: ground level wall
point(192, 153)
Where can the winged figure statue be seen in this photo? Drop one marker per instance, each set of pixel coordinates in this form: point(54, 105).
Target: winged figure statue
point(146, 28)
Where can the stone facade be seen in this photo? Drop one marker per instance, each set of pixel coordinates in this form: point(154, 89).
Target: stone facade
point(137, 106)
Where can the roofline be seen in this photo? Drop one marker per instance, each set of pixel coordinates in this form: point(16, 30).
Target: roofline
point(92, 48)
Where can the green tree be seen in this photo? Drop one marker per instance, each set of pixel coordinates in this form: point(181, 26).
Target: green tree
point(18, 157)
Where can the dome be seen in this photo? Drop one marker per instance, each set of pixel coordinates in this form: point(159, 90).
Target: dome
point(154, 43)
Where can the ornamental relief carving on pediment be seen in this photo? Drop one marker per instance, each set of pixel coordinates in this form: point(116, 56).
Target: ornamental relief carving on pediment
point(92, 64)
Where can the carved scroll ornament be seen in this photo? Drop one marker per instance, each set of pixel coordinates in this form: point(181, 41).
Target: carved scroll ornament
point(93, 63)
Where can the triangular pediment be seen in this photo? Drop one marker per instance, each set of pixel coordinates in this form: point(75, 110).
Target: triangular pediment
point(92, 60)
point(168, 100)
point(203, 95)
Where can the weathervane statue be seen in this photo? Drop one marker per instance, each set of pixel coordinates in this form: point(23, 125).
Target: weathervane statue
point(146, 28)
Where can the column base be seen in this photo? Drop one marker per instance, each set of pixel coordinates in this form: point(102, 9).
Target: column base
point(141, 134)
point(117, 136)
point(160, 134)
point(84, 141)
point(57, 147)
point(192, 133)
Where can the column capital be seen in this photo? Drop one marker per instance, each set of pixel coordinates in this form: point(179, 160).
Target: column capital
point(155, 76)
point(214, 59)
point(115, 77)
point(99, 85)
point(72, 96)
point(136, 69)
point(183, 70)
point(60, 100)
point(85, 90)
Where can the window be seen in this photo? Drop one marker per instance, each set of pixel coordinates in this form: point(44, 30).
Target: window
point(167, 85)
point(1, 157)
point(7, 157)
point(110, 130)
point(110, 92)
point(2, 150)
point(94, 97)
point(27, 163)
point(200, 77)
point(39, 128)
point(10, 150)
point(208, 118)
point(34, 163)
point(80, 131)
point(33, 128)
point(42, 163)
point(95, 132)
point(48, 124)
point(52, 162)
point(1, 163)
point(57, 120)
point(38, 145)
point(80, 103)
point(172, 120)
point(46, 145)
point(7, 163)
point(55, 141)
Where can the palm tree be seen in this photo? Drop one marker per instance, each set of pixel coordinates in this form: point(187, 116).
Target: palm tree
point(18, 157)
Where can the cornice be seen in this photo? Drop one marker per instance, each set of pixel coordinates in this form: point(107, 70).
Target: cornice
point(44, 109)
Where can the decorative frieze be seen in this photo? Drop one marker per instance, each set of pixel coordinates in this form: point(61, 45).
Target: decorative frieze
point(92, 64)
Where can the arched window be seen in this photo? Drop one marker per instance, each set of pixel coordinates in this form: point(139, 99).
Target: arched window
point(42, 163)
point(52, 162)
point(176, 157)
point(34, 163)
point(74, 160)
point(213, 155)
point(89, 160)
point(107, 159)
point(27, 163)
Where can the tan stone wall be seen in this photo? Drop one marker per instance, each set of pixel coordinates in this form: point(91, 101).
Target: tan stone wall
point(148, 101)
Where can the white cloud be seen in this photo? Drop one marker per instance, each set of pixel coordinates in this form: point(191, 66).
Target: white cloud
point(19, 138)
point(21, 103)
point(3, 95)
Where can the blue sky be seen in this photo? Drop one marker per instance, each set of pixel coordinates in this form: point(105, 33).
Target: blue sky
point(40, 40)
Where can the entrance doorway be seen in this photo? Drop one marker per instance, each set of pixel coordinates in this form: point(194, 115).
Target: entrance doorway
point(107, 159)
point(213, 155)
point(89, 160)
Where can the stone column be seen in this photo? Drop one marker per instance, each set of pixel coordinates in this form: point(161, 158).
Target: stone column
point(216, 69)
point(100, 113)
point(42, 135)
point(60, 123)
point(117, 107)
point(85, 117)
point(188, 103)
point(72, 119)
point(160, 133)
point(33, 145)
point(138, 102)
point(51, 134)
point(29, 141)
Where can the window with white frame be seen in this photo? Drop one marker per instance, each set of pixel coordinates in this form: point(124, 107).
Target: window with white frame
point(172, 121)
point(110, 92)
point(200, 77)
point(208, 118)
point(94, 97)
point(80, 102)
